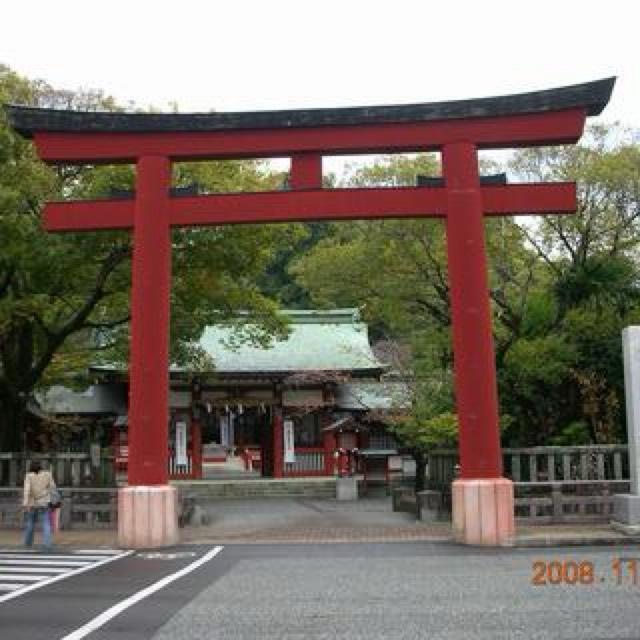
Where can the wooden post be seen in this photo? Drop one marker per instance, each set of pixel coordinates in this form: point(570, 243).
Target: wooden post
point(278, 444)
point(196, 431)
point(556, 501)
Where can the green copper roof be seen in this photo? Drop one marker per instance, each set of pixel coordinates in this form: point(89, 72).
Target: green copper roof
point(333, 340)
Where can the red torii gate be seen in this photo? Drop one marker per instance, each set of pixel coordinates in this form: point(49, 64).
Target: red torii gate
point(482, 499)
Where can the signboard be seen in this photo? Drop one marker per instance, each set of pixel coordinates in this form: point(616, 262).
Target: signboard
point(289, 441)
point(181, 444)
point(302, 398)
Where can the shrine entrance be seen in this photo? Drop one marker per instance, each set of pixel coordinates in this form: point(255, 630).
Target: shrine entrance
point(482, 499)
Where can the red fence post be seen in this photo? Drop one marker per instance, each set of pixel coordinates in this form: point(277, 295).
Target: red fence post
point(328, 442)
point(278, 444)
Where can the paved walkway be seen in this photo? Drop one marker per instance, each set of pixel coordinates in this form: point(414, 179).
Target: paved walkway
point(311, 520)
point(325, 521)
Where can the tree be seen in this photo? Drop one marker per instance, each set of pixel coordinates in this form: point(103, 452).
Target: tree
point(64, 298)
point(562, 287)
point(563, 381)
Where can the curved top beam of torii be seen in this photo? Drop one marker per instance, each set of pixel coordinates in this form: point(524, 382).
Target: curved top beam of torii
point(591, 96)
point(506, 121)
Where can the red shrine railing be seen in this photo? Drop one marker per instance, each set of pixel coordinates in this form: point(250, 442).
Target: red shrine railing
point(309, 461)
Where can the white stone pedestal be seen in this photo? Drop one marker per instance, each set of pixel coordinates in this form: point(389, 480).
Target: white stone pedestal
point(626, 507)
point(147, 517)
point(347, 488)
point(626, 513)
point(483, 512)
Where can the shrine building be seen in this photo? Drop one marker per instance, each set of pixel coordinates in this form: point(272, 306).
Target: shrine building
point(273, 406)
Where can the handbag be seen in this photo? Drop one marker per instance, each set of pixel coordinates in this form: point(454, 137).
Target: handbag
point(55, 499)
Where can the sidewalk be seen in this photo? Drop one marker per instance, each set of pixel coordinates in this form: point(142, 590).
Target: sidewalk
point(321, 521)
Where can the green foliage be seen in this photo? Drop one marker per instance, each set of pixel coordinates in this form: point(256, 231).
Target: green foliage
point(562, 288)
point(64, 298)
point(574, 434)
point(427, 434)
point(393, 171)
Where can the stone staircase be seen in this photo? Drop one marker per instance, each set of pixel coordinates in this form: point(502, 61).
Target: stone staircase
point(264, 488)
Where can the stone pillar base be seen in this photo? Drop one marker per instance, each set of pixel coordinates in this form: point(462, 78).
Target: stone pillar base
point(347, 488)
point(429, 505)
point(483, 511)
point(626, 513)
point(147, 517)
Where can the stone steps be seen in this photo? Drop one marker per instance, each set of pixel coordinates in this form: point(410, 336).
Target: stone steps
point(237, 489)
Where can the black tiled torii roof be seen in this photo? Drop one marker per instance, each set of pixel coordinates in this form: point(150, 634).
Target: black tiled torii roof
point(591, 96)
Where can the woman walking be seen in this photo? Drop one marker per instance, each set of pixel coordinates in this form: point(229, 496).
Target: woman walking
point(38, 485)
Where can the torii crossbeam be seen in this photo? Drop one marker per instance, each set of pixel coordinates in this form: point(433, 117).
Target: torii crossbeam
point(482, 499)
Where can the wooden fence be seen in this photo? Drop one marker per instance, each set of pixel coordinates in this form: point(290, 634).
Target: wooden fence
point(552, 484)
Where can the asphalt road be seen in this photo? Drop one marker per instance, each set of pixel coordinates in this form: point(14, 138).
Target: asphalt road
point(391, 591)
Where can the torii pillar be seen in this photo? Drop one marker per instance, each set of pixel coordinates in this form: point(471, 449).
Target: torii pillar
point(482, 498)
point(148, 507)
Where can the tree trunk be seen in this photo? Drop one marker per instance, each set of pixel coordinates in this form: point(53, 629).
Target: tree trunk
point(421, 467)
point(12, 422)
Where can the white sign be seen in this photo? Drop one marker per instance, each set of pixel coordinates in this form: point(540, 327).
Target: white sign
point(224, 431)
point(289, 442)
point(181, 443)
point(95, 454)
point(631, 352)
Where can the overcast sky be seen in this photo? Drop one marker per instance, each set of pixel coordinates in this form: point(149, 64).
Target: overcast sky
point(272, 54)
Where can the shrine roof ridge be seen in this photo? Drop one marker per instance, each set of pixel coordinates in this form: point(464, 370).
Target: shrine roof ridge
point(590, 96)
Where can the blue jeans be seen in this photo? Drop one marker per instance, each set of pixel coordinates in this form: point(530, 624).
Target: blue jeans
point(32, 517)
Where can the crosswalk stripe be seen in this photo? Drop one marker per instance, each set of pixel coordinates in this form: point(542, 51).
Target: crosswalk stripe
point(33, 569)
point(44, 563)
point(22, 578)
point(20, 583)
point(42, 556)
point(74, 552)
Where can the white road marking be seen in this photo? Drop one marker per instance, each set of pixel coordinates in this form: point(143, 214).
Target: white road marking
point(56, 578)
point(117, 609)
point(49, 556)
point(46, 563)
point(15, 577)
point(102, 552)
point(33, 570)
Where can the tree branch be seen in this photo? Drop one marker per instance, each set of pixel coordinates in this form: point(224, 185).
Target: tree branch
point(79, 318)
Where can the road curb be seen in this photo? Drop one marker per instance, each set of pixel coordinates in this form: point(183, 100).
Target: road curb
point(614, 541)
